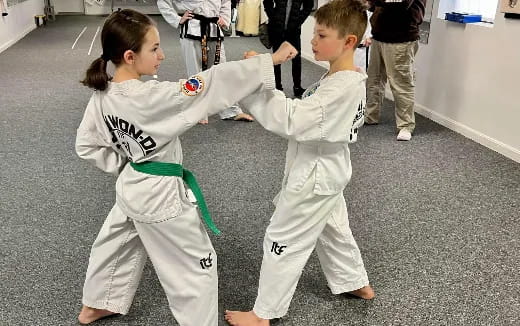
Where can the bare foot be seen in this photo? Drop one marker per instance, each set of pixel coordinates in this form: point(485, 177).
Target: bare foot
point(89, 315)
point(365, 292)
point(243, 117)
point(244, 318)
point(203, 122)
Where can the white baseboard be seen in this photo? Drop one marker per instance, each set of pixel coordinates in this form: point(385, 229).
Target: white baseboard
point(476, 136)
point(6, 45)
point(491, 143)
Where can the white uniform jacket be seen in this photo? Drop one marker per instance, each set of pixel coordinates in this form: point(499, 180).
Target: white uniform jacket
point(171, 9)
point(318, 127)
point(141, 121)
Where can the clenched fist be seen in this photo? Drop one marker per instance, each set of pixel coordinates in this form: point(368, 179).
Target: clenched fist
point(284, 53)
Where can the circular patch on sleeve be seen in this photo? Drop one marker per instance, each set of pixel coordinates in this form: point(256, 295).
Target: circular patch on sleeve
point(193, 86)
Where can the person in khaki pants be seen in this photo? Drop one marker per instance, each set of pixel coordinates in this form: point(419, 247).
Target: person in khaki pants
point(394, 43)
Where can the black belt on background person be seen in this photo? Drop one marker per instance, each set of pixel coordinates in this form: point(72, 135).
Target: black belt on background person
point(205, 36)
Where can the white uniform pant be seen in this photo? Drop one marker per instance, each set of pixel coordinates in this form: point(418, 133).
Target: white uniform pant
point(301, 221)
point(181, 253)
point(192, 54)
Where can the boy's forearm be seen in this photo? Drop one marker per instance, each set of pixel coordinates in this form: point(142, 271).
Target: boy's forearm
point(304, 120)
point(292, 119)
point(269, 109)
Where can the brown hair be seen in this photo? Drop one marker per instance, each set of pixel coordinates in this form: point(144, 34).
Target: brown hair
point(123, 30)
point(346, 16)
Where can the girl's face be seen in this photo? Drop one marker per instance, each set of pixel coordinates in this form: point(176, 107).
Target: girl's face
point(326, 44)
point(148, 59)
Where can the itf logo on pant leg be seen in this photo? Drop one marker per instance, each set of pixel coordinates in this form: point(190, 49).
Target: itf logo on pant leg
point(206, 262)
point(277, 249)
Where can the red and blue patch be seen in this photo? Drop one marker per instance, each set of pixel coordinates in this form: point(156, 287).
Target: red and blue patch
point(193, 86)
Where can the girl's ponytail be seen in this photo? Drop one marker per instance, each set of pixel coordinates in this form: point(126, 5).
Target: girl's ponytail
point(123, 30)
point(97, 76)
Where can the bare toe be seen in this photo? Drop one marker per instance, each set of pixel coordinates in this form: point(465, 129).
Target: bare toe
point(243, 117)
point(89, 315)
point(365, 292)
point(245, 318)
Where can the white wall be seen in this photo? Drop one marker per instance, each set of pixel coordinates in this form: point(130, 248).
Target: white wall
point(62, 6)
point(19, 22)
point(468, 79)
point(150, 7)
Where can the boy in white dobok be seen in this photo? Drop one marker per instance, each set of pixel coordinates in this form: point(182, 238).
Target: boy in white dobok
point(200, 25)
point(310, 209)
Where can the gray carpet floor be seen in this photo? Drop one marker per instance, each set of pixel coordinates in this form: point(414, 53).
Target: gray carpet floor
point(436, 218)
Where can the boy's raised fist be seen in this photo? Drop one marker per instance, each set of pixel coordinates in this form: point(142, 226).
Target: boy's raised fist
point(284, 53)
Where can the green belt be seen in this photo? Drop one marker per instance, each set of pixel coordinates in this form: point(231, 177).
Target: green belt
point(176, 170)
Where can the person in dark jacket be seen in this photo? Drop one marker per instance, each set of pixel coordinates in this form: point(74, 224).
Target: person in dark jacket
point(285, 20)
point(394, 43)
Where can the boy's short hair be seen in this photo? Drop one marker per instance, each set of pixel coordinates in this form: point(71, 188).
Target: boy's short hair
point(346, 16)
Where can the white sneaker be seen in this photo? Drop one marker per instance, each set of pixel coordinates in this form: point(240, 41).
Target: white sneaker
point(404, 135)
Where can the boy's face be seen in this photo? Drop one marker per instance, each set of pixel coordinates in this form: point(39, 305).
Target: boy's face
point(149, 58)
point(326, 43)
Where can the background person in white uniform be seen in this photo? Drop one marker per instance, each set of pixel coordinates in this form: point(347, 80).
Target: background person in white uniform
point(180, 14)
point(310, 209)
point(131, 129)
